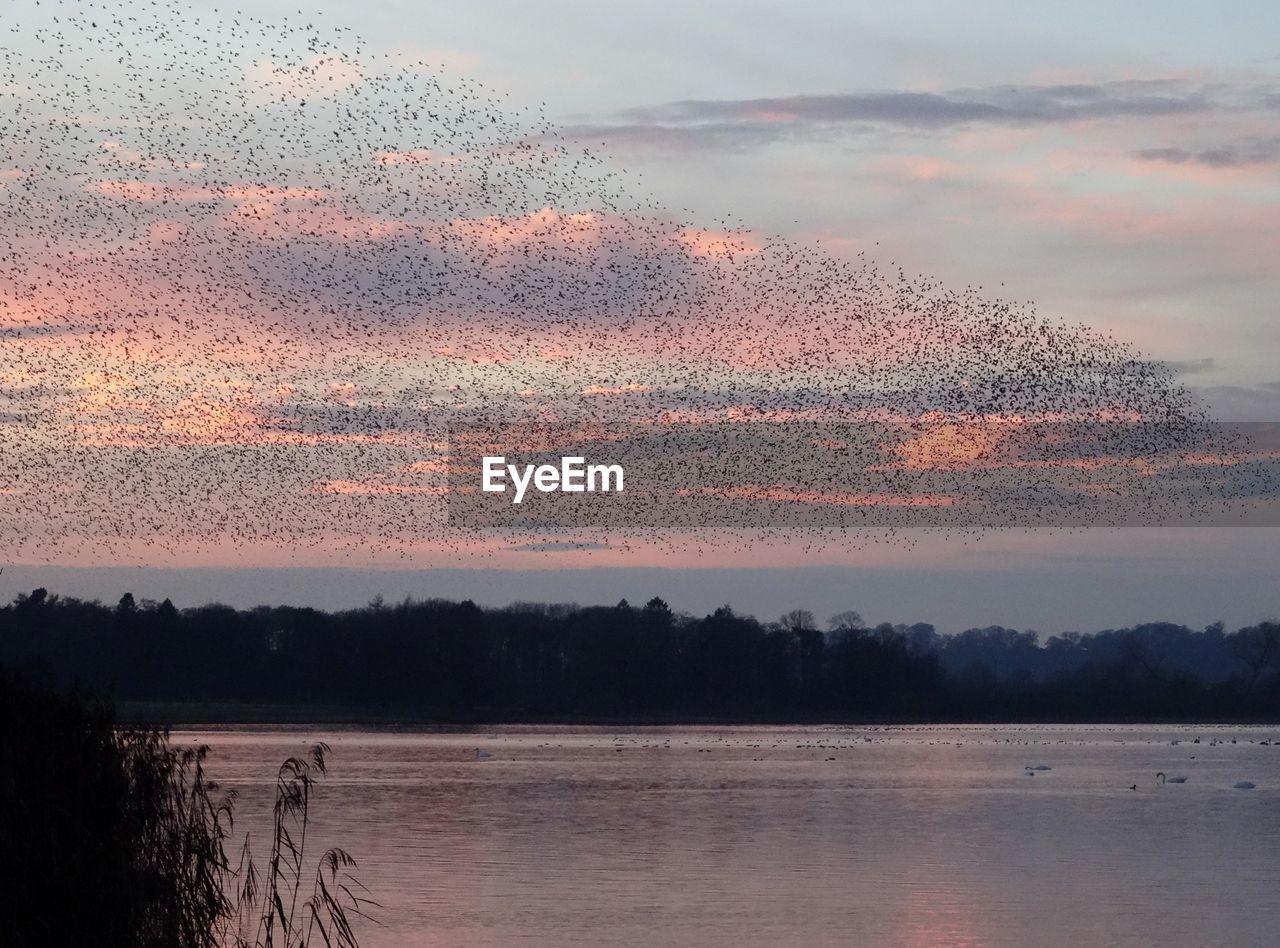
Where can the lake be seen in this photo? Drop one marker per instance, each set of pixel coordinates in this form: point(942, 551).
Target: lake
point(731, 836)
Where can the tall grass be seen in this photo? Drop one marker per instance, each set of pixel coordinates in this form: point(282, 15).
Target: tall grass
point(274, 906)
point(118, 838)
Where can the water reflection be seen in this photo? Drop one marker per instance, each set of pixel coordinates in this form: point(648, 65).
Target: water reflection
point(826, 836)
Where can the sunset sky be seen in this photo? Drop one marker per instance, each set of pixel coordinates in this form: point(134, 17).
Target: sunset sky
point(1121, 169)
point(1134, 183)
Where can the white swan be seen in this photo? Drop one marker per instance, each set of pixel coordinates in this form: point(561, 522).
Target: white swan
point(1166, 779)
point(1243, 785)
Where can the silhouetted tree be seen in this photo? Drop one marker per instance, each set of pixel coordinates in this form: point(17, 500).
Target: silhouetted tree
point(1259, 648)
point(456, 661)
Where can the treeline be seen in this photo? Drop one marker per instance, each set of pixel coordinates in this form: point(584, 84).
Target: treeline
point(455, 661)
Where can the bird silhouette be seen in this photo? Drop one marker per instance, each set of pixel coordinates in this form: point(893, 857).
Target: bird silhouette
point(262, 285)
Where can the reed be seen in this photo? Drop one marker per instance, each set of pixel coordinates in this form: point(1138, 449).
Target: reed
point(273, 906)
point(123, 839)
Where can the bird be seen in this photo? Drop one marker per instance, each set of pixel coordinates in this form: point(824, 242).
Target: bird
point(1160, 776)
point(272, 289)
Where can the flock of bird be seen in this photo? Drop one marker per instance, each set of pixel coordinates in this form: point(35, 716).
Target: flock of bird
point(259, 284)
point(826, 746)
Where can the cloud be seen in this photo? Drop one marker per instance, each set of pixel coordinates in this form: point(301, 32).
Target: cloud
point(788, 493)
point(1192, 366)
point(367, 487)
point(317, 76)
point(561, 546)
point(728, 123)
point(148, 191)
point(414, 156)
point(701, 242)
point(1242, 402)
point(1243, 154)
point(627, 389)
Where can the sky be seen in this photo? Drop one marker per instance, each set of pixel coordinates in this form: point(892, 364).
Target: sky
point(1118, 167)
point(1163, 226)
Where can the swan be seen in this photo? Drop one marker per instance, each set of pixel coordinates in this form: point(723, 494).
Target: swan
point(1243, 785)
point(482, 754)
point(1163, 778)
point(1039, 767)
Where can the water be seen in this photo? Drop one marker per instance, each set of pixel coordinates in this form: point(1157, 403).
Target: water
point(784, 836)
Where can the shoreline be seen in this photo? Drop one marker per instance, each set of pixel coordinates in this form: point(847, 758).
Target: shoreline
point(194, 715)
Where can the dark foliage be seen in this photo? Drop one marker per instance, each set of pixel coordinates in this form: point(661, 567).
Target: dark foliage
point(112, 837)
point(456, 661)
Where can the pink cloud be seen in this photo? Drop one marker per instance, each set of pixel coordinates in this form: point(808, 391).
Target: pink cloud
point(716, 243)
point(319, 74)
point(926, 167)
point(149, 191)
point(367, 487)
point(628, 389)
point(416, 156)
point(790, 494)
